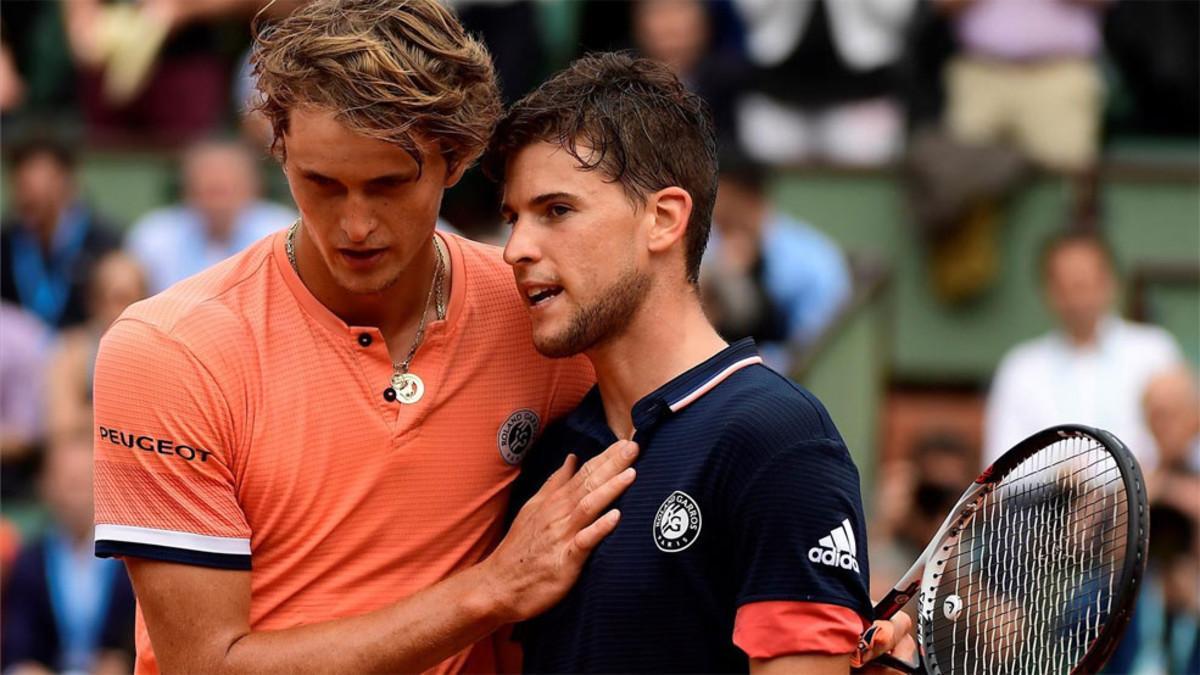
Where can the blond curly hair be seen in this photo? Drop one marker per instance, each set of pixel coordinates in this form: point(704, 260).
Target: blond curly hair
point(393, 70)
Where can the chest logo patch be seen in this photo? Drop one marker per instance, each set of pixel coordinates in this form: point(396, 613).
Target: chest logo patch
point(516, 435)
point(677, 523)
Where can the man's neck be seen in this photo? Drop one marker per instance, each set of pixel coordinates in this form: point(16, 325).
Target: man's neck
point(1084, 337)
point(667, 337)
point(395, 311)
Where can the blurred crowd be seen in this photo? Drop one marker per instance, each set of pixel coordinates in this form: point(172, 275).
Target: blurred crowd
point(959, 99)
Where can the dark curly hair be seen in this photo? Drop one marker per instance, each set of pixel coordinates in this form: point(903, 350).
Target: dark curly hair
point(632, 120)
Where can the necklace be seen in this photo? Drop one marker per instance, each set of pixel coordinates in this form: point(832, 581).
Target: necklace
point(406, 387)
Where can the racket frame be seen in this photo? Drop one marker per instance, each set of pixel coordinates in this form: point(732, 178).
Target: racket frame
point(919, 577)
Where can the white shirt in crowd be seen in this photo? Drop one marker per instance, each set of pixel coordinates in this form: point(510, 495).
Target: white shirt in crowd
point(1048, 381)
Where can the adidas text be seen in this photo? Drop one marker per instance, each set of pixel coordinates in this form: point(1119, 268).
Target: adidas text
point(836, 550)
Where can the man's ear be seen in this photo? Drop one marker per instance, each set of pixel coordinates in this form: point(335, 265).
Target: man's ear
point(669, 210)
point(455, 171)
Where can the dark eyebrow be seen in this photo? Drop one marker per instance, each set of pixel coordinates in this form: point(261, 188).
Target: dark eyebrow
point(386, 178)
point(395, 178)
point(552, 197)
point(313, 175)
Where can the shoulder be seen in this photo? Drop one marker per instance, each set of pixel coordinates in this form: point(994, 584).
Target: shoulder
point(1028, 356)
point(762, 406)
point(484, 262)
point(491, 290)
point(764, 418)
point(205, 312)
point(1146, 339)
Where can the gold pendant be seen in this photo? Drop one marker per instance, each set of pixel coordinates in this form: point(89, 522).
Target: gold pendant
point(408, 387)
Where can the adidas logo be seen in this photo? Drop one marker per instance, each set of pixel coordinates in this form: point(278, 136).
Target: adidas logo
point(837, 549)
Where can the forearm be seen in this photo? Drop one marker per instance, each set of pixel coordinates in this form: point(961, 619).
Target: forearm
point(411, 635)
point(817, 664)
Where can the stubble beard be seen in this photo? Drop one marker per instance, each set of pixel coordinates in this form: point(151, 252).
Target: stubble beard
point(600, 321)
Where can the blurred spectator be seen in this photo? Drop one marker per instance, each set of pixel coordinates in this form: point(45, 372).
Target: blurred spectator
point(10, 545)
point(1027, 72)
point(23, 341)
point(152, 70)
point(1172, 407)
point(919, 492)
point(766, 274)
point(118, 283)
point(12, 88)
point(825, 84)
point(1164, 633)
point(679, 34)
point(51, 241)
point(1091, 370)
point(66, 610)
point(221, 214)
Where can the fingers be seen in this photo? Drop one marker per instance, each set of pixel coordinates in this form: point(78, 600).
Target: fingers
point(591, 536)
point(884, 636)
point(563, 474)
point(597, 500)
point(598, 470)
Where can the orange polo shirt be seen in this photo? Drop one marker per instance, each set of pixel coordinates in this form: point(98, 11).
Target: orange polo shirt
point(240, 424)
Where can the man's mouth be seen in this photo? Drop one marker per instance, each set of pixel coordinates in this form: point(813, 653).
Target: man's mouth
point(361, 257)
point(537, 296)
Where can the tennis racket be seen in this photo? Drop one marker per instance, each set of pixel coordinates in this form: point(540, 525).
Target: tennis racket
point(1037, 567)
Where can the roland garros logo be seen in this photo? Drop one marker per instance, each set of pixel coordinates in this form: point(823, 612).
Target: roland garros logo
point(516, 435)
point(677, 523)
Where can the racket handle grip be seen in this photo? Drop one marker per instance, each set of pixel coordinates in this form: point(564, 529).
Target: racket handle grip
point(893, 602)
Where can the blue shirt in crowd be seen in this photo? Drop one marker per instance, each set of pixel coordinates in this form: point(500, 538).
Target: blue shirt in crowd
point(173, 243)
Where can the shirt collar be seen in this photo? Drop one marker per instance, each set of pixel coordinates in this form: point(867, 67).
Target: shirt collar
point(699, 380)
point(1106, 332)
point(671, 397)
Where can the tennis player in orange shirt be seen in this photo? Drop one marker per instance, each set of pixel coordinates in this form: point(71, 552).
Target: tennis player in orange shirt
point(304, 454)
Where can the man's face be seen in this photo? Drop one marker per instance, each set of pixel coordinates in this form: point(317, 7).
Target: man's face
point(220, 181)
point(366, 204)
point(41, 186)
point(577, 248)
point(1079, 286)
point(672, 31)
point(1172, 411)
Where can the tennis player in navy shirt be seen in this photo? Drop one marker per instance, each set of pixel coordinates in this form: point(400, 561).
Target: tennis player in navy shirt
point(741, 544)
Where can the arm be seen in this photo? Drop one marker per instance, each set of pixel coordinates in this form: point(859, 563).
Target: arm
point(817, 664)
point(198, 618)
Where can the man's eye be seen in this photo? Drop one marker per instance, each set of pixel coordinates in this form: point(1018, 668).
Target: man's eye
point(559, 210)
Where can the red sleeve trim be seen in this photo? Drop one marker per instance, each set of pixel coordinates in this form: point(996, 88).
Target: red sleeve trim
point(765, 630)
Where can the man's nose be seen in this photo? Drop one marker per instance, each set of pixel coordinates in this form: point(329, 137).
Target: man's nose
point(521, 247)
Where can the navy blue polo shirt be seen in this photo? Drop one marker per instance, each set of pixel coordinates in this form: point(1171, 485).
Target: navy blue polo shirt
point(745, 494)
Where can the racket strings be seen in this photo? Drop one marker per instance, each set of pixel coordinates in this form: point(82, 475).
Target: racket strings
point(1034, 570)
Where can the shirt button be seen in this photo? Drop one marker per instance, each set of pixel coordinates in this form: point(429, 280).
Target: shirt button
point(364, 339)
point(389, 394)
